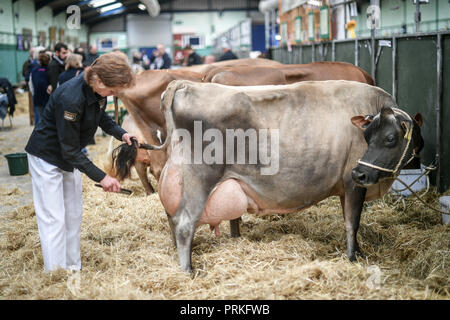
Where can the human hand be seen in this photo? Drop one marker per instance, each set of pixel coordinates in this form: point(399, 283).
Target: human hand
point(110, 184)
point(49, 89)
point(127, 138)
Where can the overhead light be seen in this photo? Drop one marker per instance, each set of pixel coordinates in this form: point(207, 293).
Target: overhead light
point(99, 3)
point(111, 7)
point(142, 7)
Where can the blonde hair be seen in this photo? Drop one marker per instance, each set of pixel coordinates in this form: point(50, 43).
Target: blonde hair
point(74, 61)
point(112, 69)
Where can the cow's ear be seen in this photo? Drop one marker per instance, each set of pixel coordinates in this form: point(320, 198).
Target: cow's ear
point(418, 118)
point(361, 122)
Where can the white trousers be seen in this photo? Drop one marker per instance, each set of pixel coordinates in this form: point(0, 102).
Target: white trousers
point(58, 203)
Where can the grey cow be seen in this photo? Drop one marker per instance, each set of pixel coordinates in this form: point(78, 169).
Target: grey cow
point(313, 147)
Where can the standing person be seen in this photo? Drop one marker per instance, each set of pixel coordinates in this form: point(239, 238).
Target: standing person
point(26, 64)
point(190, 56)
point(91, 55)
point(56, 66)
point(160, 59)
point(80, 51)
point(74, 67)
point(39, 81)
point(227, 53)
point(70, 119)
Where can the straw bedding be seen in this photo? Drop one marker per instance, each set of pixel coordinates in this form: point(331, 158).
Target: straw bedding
point(127, 253)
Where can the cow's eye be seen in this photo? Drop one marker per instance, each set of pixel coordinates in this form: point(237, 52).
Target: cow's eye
point(390, 138)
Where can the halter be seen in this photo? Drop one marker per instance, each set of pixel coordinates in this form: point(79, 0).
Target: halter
point(408, 136)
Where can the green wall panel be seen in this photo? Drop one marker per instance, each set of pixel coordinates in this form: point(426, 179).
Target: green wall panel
point(416, 65)
point(345, 52)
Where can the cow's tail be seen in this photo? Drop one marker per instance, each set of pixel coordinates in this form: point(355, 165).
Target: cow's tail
point(124, 156)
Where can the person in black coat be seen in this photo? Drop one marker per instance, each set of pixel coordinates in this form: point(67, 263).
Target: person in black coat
point(160, 59)
point(227, 53)
point(57, 65)
point(71, 118)
point(39, 84)
point(74, 66)
point(191, 57)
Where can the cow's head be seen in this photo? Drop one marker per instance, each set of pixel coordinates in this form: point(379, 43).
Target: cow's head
point(393, 138)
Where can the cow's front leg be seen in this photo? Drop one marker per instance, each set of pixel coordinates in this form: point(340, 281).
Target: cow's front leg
point(353, 203)
point(234, 227)
point(141, 170)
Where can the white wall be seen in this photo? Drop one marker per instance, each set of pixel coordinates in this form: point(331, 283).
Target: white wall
point(208, 24)
point(146, 31)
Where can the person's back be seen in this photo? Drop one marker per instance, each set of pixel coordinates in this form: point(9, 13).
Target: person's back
point(69, 74)
point(74, 66)
point(228, 55)
point(40, 82)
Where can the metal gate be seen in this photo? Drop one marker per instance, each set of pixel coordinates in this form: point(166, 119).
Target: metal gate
point(415, 69)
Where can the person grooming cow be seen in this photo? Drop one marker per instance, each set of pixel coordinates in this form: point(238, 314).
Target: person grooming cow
point(70, 119)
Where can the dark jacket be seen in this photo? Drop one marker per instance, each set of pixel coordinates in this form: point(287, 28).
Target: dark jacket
point(194, 58)
point(229, 55)
point(68, 74)
point(33, 64)
point(55, 68)
point(8, 89)
point(70, 119)
point(167, 62)
point(91, 58)
point(39, 78)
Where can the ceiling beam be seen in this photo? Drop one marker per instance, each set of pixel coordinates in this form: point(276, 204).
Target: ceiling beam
point(43, 3)
point(64, 7)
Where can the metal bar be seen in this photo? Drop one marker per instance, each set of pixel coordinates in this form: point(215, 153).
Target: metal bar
point(301, 54)
point(438, 111)
point(394, 68)
point(267, 28)
point(333, 50)
point(356, 52)
point(379, 49)
point(313, 52)
point(372, 55)
point(417, 16)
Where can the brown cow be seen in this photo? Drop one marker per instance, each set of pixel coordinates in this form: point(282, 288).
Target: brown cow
point(286, 74)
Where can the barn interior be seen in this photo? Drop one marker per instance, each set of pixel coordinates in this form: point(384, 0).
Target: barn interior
point(126, 246)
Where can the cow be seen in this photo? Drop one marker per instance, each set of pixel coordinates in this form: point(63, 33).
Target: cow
point(286, 74)
point(317, 148)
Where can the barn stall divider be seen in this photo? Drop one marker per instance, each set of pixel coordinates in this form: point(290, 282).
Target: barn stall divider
point(414, 68)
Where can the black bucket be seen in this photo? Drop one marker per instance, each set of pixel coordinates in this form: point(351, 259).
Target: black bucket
point(17, 163)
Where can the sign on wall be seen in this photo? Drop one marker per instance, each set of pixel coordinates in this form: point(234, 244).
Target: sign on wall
point(324, 23)
point(298, 29)
point(311, 26)
point(284, 32)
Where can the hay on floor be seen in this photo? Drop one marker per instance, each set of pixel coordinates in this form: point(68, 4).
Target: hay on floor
point(127, 253)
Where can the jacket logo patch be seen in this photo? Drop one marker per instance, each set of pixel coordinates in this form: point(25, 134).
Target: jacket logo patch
point(70, 116)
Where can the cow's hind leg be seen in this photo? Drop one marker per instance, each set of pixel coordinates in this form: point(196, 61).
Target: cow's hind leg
point(352, 206)
point(141, 170)
point(187, 217)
